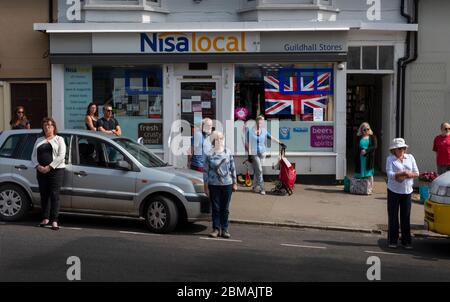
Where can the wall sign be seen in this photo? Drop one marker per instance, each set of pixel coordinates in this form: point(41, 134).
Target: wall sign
point(322, 136)
point(189, 42)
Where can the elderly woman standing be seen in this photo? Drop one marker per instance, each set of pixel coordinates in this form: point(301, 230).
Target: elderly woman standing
point(365, 155)
point(219, 177)
point(441, 146)
point(401, 168)
point(48, 158)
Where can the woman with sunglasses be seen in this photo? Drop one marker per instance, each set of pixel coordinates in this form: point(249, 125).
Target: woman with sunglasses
point(401, 168)
point(441, 146)
point(365, 153)
point(20, 121)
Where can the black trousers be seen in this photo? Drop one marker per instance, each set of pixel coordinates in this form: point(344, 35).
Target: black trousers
point(49, 188)
point(395, 203)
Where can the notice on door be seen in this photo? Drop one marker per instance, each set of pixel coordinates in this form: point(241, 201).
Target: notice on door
point(152, 133)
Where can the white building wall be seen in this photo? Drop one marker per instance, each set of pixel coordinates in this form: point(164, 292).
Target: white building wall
point(428, 83)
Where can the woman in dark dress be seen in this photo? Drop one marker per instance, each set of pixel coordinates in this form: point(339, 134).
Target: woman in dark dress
point(19, 121)
point(49, 160)
point(91, 119)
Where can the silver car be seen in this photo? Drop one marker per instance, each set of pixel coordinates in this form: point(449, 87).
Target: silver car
point(104, 175)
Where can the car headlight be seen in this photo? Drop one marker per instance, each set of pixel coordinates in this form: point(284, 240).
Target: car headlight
point(442, 191)
point(198, 185)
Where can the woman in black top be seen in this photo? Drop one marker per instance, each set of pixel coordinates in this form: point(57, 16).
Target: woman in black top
point(20, 121)
point(91, 119)
point(49, 160)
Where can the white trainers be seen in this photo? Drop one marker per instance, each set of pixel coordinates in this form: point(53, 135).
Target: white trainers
point(263, 192)
point(226, 234)
point(214, 234)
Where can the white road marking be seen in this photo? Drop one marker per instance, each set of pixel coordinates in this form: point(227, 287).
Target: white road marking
point(220, 239)
point(139, 233)
point(386, 253)
point(304, 246)
point(70, 228)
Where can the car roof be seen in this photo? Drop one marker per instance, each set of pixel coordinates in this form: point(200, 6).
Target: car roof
point(97, 134)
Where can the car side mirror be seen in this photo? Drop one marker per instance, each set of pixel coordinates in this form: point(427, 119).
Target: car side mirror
point(140, 140)
point(123, 165)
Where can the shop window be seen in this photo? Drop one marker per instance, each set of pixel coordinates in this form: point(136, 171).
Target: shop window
point(299, 97)
point(136, 95)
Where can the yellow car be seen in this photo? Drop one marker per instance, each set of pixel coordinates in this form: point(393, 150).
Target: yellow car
point(437, 207)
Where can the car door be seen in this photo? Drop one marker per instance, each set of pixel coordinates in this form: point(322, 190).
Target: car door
point(98, 185)
point(24, 172)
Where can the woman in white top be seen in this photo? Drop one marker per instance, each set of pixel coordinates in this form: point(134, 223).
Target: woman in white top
point(401, 168)
point(49, 160)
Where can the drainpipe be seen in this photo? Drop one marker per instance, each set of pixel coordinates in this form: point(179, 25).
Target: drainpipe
point(401, 69)
point(50, 11)
point(405, 63)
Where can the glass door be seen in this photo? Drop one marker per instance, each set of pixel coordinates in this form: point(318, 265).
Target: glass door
point(197, 99)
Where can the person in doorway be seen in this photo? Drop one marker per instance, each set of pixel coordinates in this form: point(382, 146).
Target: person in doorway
point(441, 146)
point(91, 119)
point(256, 146)
point(19, 120)
point(401, 168)
point(108, 124)
point(48, 158)
point(365, 152)
point(201, 145)
point(219, 177)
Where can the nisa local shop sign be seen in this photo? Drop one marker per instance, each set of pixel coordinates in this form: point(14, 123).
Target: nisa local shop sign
point(192, 42)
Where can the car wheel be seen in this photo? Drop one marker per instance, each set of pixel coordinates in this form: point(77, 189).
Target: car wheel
point(14, 203)
point(161, 215)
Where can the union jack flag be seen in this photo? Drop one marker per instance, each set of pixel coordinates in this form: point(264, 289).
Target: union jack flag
point(291, 100)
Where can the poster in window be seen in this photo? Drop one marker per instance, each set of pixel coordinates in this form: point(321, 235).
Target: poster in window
point(151, 133)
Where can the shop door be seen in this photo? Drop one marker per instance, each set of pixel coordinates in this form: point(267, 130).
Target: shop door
point(33, 97)
point(197, 100)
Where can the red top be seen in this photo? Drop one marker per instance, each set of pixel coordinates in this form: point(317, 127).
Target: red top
point(441, 146)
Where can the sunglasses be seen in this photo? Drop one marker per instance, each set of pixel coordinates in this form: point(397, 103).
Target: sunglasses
point(20, 112)
point(448, 129)
point(401, 149)
point(367, 129)
point(108, 110)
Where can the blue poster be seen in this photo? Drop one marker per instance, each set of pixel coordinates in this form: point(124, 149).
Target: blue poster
point(77, 94)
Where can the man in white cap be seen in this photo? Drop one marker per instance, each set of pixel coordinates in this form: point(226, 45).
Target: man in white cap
point(401, 168)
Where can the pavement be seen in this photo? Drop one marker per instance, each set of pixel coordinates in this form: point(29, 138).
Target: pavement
point(322, 207)
point(112, 249)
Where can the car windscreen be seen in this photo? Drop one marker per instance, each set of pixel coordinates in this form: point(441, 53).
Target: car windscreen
point(140, 153)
